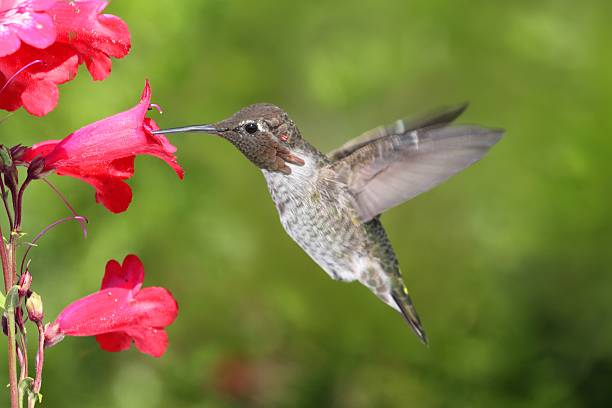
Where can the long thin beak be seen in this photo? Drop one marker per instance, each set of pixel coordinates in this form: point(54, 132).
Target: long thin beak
point(192, 128)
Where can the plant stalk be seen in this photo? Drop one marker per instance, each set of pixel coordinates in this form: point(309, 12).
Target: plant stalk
point(12, 357)
point(40, 357)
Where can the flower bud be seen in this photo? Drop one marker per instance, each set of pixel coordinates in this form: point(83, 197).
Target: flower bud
point(34, 306)
point(25, 281)
point(36, 168)
point(17, 152)
point(4, 324)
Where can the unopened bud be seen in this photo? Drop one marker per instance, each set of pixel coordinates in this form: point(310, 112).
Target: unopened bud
point(34, 306)
point(36, 168)
point(17, 152)
point(25, 281)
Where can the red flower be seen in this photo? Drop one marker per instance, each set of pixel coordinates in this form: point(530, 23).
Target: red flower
point(61, 34)
point(119, 313)
point(27, 21)
point(102, 153)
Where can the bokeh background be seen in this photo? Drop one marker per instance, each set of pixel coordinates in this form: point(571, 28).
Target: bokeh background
point(508, 262)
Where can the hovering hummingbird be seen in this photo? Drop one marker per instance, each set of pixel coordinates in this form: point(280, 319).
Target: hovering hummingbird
point(330, 204)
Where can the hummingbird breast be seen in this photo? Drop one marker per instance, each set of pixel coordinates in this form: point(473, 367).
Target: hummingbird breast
point(317, 212)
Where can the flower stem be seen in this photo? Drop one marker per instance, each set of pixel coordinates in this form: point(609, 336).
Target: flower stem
point(40, 357)
point(8, 282)
point(22, 349)
point(61, 196)
point(82, 220)
point(12, 357)
point(19, 204)
point(22, 355)
point(8, 267)
point(6, 206)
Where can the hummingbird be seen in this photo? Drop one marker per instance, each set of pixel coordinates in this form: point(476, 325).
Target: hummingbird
point(330, 204)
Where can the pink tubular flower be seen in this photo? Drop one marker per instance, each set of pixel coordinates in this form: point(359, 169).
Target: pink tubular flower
point(102, 153)
point(119, 313)
point(60, 35)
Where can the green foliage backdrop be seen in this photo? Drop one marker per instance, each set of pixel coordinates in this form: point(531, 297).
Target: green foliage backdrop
point(508, 263)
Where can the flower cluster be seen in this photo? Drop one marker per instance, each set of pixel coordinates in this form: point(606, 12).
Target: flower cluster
point(43, 42)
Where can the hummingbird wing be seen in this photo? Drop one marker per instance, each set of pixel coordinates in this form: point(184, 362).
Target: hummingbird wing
point(395, 168)
point(440, 117)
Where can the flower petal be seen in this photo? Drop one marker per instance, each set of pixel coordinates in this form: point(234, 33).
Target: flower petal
point(59, 64)
point(99, 65)
point(150, 340)
point(113, 193)
point(154, 307)
point(101, 312)
point(37, 30)
point(40, 97)
point(114, 341)
point(40, 149)
point(94, 36)
point(9, 41)
point(42, 5)
point(130, 275)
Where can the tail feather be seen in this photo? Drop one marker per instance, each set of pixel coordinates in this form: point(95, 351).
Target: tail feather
point(406, 307)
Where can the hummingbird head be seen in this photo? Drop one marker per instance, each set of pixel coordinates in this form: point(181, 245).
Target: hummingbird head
point(262, 132)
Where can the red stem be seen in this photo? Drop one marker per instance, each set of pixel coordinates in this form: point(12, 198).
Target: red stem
point(40, 357)
point(8, 282)
point(6, 206)
point(19, 204)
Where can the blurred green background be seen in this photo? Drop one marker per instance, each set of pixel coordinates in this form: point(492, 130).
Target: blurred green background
point(508, 262)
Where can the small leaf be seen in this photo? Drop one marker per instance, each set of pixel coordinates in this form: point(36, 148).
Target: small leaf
point(5, 156)
point(12, 299)
point(25, 388)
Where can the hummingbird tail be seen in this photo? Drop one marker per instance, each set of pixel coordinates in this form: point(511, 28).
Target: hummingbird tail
point(406, 307)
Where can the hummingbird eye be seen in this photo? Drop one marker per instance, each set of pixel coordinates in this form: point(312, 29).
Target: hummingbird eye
point(251, 127)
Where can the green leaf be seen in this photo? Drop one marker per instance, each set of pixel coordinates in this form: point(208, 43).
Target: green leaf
point(2, 300)
point(5, 156)
point(12, 299)
point(25, 388)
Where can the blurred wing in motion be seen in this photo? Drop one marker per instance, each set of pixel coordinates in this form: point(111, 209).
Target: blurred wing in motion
point(441, 117)
point(398, 165)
